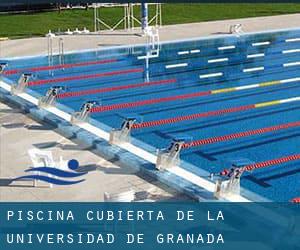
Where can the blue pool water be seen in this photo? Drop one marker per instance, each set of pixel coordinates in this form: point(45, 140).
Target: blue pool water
point(237, 61)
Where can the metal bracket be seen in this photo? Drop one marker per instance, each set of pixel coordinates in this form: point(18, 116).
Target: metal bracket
point(49, 98)
point(22, 84)
point(122, 135)
point(83, 115)
point(170, 157)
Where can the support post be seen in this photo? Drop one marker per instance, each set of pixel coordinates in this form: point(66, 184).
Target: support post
point(144, 16)
point(61, 51)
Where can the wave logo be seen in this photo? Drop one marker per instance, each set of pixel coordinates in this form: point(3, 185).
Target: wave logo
point(55, 175)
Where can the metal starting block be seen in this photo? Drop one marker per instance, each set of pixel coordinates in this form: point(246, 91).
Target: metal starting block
point(22, 84)
point(230, 184)
point(49, 98)
point(3, 65)
point(170, 157)
point(122, 135)
point(84, 113)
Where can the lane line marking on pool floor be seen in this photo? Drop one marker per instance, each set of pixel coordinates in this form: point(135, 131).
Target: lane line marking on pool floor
point(261, 43)
point(290, 51)
point(226, 47)
point(291, 64)
point(186, 52)
point(195, 51)
point(148, 56)
point(211, 75)
point(178, 65)
point(225, 59)
point(292, 40)
point(256, 55)
point(183, 52)
point(253, 69)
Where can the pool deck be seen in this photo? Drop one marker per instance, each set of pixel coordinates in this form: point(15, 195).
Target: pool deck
point(37, 46)
point(18, 133)
point(107, 176)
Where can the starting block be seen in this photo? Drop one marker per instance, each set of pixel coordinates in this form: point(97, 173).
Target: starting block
point(170, 157)
point(84, 113)
point(22, 84)
point(231, 185)
point(122, 135)
point(3, 65)
point(50, 97)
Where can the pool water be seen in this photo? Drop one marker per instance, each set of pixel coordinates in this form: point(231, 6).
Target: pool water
point(193, 77)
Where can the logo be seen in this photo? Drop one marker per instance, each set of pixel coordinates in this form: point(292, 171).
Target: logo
point(55, 175)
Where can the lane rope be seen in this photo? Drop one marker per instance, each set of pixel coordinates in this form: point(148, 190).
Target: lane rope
point(240, 135)
point(188, 96)
point(111, 89)
point(80, 77)
point(65, 66)
point(271, 162)
point(296, 200)
point(160, 122)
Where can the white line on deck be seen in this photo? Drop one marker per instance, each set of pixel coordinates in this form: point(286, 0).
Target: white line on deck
point(171, 66)
point(292, 40)
point(211, 75)
point(290, 51)
point(291, 64)
point(261, 43)
point(253, 69)
point(226, 47)
point(218, 60)
point(256, 55)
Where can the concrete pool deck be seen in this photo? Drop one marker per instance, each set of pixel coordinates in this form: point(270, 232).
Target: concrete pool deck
point(108, 177)
point(38, 45)
point(19, 133)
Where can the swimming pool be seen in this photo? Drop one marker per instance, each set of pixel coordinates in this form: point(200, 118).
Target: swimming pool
point(232, 99)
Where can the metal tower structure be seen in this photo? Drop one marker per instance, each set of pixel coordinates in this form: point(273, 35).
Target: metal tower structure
point(129, 20)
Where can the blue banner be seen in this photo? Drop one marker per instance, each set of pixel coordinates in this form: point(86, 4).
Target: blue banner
point(149, 225)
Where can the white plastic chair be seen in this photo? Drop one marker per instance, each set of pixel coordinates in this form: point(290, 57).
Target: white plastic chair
point(128, 196)
point(41, 158)
point(236, 29)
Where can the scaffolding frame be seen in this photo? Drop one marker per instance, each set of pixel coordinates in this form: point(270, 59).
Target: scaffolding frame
point(128, 20)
